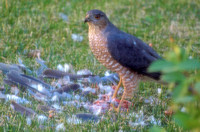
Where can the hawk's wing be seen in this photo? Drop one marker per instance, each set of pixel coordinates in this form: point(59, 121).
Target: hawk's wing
point(132, 53)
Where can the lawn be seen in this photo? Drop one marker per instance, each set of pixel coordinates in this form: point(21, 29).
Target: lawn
point(39, 25)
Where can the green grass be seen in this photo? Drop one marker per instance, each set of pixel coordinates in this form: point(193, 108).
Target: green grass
point(35, 24)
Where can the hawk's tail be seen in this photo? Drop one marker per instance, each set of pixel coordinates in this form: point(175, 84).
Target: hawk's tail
point(153, 75)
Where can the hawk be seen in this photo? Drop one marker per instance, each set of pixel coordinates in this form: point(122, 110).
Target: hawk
point(120, 52)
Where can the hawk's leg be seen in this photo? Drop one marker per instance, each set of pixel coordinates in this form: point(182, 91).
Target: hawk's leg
point(117, 89)
point(130, 82)
point(121, 101)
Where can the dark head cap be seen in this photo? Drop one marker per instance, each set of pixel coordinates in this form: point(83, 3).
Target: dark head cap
point(96, 12)
point(96, 17)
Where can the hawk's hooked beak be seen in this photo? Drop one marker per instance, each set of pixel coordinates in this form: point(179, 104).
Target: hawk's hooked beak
point(87, 19)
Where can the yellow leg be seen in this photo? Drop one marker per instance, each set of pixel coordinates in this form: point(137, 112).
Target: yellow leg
point(121, 101)
point(130, 82)
point(118, 86)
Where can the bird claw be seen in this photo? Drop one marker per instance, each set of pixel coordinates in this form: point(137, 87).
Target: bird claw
point(114, 108)
point(117, 107)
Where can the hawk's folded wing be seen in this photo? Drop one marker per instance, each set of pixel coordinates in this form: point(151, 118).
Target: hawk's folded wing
point(132, 53)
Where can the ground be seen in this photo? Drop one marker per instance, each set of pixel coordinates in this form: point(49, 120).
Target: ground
point(35, 24)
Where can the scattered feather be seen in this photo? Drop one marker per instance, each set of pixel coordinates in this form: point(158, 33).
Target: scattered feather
point(105, 89)
point(14, 90)
point(60, 74)
point(152, 101)
point(154, 121)
point(41, 118)
point(40, 88)
point(42, 67)
point(45, 108)
point(63, 16)
point(111, 78)
point(139, 119)
point(38, 96)
point(15, 78)
point(88, 90)
point(23, 67)
point(67, 88)
point(57, 106)
point(159, 91)
point(183, 109)
point(28, 121)
point(5, 68)
point(66, 68)
point(60, 127)
point(107, 73)
point(77, 37)
point(75, 103)
point(55, 98)
point(2, 97)
point(64, 91)
point(21, 109)
point(66, 96)
point(17, 99)
point(86, 117)
point(74, 120)
point(84, 72)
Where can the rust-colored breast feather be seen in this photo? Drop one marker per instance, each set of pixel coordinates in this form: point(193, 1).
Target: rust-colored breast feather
point(98, 45)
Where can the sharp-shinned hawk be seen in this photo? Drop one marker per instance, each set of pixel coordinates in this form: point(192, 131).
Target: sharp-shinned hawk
point(120, 52)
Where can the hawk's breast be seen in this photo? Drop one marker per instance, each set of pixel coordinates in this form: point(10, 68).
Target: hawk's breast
point(98, 45)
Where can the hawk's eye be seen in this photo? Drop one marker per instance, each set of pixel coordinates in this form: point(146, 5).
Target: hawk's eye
point(97, 16)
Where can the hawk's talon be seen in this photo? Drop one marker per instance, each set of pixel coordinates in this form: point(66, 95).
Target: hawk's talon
point(114, 108)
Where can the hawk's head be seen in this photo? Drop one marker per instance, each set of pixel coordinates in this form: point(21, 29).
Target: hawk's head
point(96, 18)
